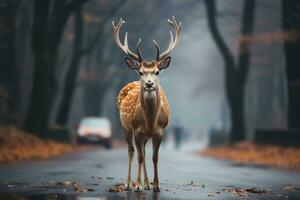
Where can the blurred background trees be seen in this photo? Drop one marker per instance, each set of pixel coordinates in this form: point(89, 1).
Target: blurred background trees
point(49, 21)
point(291, 27)
point(235, 71)
point(235, 68)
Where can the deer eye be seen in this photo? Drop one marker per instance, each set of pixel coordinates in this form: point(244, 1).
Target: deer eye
point(141, 73)
point(157, 73)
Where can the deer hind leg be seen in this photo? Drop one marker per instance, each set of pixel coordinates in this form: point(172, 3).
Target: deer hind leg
point(129, 140)
point(146, 180)
point(139, 143)
point(156, 143)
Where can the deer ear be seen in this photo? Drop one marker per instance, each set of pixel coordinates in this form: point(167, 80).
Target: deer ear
point(164, 63)
point(132, 63)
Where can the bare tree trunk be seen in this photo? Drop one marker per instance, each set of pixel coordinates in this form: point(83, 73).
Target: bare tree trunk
point(290, 21)
point(238, 132)
point(78, 53)
point(235, 73)
point(9, 74)
point(71, 75)
point(50, 18)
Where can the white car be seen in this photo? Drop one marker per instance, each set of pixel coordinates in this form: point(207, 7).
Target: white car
point(95, 129)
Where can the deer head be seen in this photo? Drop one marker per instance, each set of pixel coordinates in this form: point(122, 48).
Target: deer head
point(148, 71)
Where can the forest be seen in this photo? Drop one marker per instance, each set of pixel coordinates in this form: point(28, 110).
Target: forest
point(217, 99)
point(238, 63)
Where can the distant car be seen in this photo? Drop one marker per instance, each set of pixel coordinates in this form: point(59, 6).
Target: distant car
point(95, 129)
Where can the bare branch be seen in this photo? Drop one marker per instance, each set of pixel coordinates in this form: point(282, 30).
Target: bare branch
point(212, 24)
point(98, 35)
point(74, 4)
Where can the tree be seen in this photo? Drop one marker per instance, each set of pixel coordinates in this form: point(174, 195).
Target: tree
point(235, 71)
point(78, 53)
point(291, 25)
point(9, 76)
point(50, 17)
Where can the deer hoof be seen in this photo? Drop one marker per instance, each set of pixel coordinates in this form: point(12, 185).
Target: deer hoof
point(138, 188)
point(156, 189)
point(128, 186)
point(147, 187)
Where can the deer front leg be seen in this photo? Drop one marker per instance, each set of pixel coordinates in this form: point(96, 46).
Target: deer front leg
point(156, 143)
point(139, 147)
point(146, 180)
point(129, 138)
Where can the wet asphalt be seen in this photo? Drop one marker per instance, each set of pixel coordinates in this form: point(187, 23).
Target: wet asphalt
point(183, 175)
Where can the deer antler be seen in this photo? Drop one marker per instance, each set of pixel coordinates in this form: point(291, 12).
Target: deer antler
point(124, 47)
point(173, 43)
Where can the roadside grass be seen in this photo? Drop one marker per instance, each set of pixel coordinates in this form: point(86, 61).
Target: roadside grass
point(248, 152)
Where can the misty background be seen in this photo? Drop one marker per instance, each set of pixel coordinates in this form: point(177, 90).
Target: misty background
point(86, 55)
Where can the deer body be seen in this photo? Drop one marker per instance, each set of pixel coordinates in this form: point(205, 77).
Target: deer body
point(143, 106)
point(136, 111)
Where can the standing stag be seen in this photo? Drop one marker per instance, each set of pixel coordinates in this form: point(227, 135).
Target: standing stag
point(143, 106)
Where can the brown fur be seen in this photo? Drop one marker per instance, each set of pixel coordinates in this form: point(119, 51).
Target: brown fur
point(131, 114)
point(143, 118)
point(143, 106)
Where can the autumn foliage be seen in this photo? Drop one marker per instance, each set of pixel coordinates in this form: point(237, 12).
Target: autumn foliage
point(248, 152)
point(16, 145)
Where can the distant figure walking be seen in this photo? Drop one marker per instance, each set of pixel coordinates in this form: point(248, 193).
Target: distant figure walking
point(177, 131)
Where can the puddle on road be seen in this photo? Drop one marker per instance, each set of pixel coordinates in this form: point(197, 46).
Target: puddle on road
point(63, 190)
point(49, 197)
point(37, 197)
point(252, 165)
point(54, 173)
point(124, 196)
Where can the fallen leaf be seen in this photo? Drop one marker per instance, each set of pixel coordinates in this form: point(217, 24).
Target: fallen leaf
point(10, 185)
point(244, 191)
point(63, 184)
point(191, 183)
point(77, 188)
point(255, 190)
point(290, 188)
point(96, 177)
point(45, 184)
point(119, 187)
point(210, 194)
point(115, 190)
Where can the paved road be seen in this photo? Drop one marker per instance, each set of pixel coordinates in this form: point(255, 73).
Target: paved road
point(182, 175)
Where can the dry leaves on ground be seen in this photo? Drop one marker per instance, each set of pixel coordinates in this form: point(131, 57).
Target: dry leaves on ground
point(259, 154)
point(290, 188)
point(119, 187)
point(16, 144)
point(96, 177)
point(77, 187)
point(191, 184)
point(243, 192)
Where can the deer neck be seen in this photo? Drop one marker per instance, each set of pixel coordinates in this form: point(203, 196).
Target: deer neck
point(150, 103)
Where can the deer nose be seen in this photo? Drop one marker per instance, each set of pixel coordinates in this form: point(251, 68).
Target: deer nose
point(149, 84)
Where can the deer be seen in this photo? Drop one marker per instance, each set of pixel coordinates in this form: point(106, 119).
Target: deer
point(143, 107)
